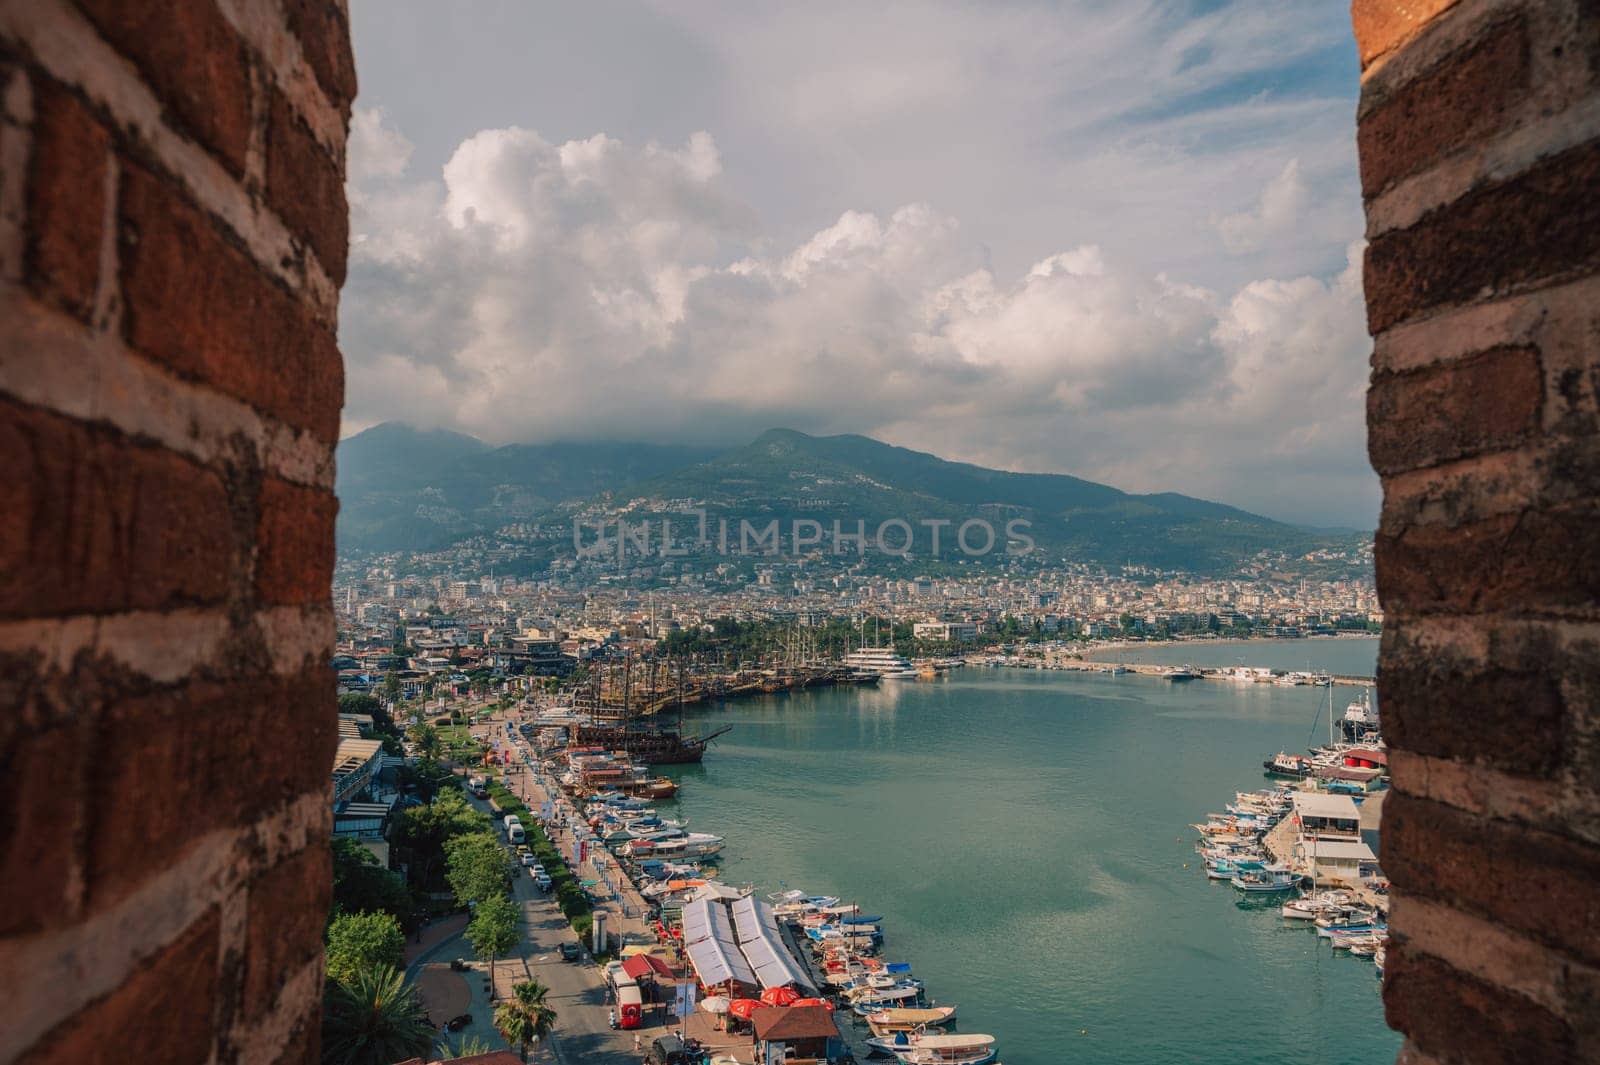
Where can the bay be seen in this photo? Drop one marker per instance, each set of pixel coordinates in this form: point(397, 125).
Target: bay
point(1025, 836)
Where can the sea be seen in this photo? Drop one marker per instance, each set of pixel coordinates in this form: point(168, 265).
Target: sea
point(1025, 836)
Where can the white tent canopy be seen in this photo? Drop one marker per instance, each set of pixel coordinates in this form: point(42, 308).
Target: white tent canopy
point(762, 945)
point(708, 940)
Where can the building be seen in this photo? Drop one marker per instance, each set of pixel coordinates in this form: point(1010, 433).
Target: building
point(949, 631)
point(355, 766)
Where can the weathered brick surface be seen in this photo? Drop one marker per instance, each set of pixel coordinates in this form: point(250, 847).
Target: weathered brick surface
point(42, 815)
point(66, 200)
point(164, 1012)
point(320, 27)
point(1536, 562)
point(195, 63)
point(1538, 227)
point(1446, 108)
point(1529, 880)
point(1486, 401)
point(1458, 1017)
point(1510, 715)
point(306, 188)
point(231, 752)
point(288, 907)
point(166, 726)
point(94, 523)
point(1383, 25)
point(199, 305)
point(294, 540)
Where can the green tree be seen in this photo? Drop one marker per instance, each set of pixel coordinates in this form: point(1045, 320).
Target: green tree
point(356, 703)
point(525, 1018)
point(423, 831)
point(362, 941)
point(391, 687)
point(426, 737)
point(361, 885)
point(475, 867)
point(375, 1019)
point(471, 1045)
point(495, 929)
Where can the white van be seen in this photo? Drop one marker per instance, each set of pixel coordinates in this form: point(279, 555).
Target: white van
point(516, 835)
point(512, 819)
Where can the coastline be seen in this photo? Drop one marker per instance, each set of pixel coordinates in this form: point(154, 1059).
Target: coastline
point(1097, 647)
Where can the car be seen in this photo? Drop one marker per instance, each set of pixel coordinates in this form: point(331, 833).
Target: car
point(541, 879)
point(667, 1050)
point(571, 952)
point(528, 860)
point(482, 793)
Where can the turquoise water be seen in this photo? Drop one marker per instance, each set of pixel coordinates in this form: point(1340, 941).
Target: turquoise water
point(1347, 656)
point(1024, 835)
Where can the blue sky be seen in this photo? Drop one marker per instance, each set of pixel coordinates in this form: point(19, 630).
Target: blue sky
point(1112, 239)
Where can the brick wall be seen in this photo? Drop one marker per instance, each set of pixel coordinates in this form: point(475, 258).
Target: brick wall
point(172, 242)
point(1479, 132)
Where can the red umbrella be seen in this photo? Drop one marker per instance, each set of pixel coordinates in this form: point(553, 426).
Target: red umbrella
point(812, 1002)
point(779, 996)
point(742, 1008)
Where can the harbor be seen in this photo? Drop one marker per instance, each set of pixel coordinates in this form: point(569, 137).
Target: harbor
point(1017, 829)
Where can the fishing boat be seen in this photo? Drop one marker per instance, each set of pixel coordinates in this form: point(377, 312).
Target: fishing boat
point(947, 1049)
point(908, 1019)
point(1253, 882)
point(1284, 764)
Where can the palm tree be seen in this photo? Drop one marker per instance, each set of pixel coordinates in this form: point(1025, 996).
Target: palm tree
point(373, 1019)
point(469, 1046)
point(525, 1018)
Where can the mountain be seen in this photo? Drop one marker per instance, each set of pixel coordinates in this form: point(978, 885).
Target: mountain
point(406, 489)
point(789, 475)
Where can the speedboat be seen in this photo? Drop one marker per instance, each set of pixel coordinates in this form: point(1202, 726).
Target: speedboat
point(947, 1049)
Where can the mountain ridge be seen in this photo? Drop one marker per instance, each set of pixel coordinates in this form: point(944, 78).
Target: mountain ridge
point(785, 474)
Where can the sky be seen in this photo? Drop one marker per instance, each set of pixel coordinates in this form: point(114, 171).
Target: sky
point(1120, 240)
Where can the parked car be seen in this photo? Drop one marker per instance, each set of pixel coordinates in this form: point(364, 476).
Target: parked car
point(541, 879)
point(528, 860)
point(571, 952)
point(667, 1050)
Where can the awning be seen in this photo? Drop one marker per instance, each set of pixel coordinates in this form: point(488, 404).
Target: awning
point(641, 965)
point(763, 946)
point(709, 942)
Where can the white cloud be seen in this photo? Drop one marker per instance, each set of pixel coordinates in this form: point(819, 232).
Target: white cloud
point(1283, 203)
point(595, 289)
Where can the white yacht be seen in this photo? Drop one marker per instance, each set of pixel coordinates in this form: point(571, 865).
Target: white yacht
point(883, 662)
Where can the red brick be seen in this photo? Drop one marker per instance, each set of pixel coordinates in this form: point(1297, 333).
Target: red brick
point(42, 807)
point(162, 1013)
point(287, 910)
point(193, 62)
point(305, 187)
point(1536, 561)
point(66, 200)
point(325, 40)
point(194, 738)
point(1382, 25)
point(1460, 100)
point(200, 306)
point(1423, 417)
point(1530, 881)
point(1507, 712)
point(1539, 227)
point(294, 543)
point(1457, 1016)
point(94, 523)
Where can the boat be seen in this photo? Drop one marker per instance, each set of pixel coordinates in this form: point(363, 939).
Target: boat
point(1183, 672)
point(1284, 764)
point(653, 746)
point(909, 1018)
point(947, 1049)
point(881, 662)
point(1264, 881)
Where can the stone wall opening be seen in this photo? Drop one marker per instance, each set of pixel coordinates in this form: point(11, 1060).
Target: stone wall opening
point(172, 242)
